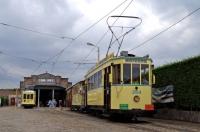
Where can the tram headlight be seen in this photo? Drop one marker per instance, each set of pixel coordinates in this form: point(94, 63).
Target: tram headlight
point(136, 98)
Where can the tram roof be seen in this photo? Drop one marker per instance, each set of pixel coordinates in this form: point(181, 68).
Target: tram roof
point(111, 57)
point(29, 91)
point(73, 85)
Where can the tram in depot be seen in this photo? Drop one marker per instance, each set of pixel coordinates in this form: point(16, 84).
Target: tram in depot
point(119, 85)
point(28, 98)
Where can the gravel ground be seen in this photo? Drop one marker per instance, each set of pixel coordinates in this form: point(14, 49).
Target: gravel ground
point(57, 120)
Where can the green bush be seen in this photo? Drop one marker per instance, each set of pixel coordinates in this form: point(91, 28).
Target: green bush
point(185, 76)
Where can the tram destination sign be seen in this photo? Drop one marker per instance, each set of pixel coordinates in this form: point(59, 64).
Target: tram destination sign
point(136, 60)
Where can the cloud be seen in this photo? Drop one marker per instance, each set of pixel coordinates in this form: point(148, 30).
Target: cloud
point(71, 18)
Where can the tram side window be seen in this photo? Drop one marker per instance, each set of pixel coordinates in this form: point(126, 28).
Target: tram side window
point(116, 74)
point(92, 82)
point(72, 90)
point(99, 79)
point(136, 74)
point(31, 96)
point(127, 73)
point(145, 74)
point(95, 80)
point(24, 96)
point(75, 89)
point(89, 83)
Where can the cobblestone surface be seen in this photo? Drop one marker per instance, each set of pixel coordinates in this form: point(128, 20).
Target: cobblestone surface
point(57, 120)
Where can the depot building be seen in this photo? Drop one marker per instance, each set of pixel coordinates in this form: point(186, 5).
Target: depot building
point(47, 86)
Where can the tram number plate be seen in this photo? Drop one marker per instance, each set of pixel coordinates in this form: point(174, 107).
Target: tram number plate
point(123, 106)
point(136, 92)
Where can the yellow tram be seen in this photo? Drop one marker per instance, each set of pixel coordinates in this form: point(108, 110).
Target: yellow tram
point(76, 97)
point(28, 98)
point(119, 85)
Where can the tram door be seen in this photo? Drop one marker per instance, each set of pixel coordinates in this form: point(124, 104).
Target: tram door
point(107, 87)
point(85, 95)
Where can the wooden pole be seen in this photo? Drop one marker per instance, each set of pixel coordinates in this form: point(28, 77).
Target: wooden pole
point(15, 98)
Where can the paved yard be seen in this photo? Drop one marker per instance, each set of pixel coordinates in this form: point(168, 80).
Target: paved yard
point(57, 120)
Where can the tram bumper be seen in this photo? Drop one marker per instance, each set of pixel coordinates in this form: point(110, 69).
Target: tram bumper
point(138, 112)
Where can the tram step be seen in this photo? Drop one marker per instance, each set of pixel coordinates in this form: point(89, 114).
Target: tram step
point(106, 115)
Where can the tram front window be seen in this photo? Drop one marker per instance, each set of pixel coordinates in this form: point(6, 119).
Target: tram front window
point(145, 74)
point(136, 74)
point(24, 96)
point(116, 74)
point(127, 73)
point(28, 96)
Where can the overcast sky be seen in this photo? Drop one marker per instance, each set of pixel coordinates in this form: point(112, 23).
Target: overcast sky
point(23, 53)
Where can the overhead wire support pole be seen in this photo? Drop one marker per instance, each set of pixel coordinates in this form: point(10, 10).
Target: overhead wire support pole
point(113, 34)
point(90, 44)
point(16, 99)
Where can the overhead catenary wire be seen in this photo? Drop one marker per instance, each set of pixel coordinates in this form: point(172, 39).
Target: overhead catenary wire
point(58, 36)
point(113, 25)
point(8, 76)
point(39, 62)
point(123, 35)
point(36, 61)
point(165, 30)
point(34, 31)
point(100, 39)
point(58, 57)
point(80, 35)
